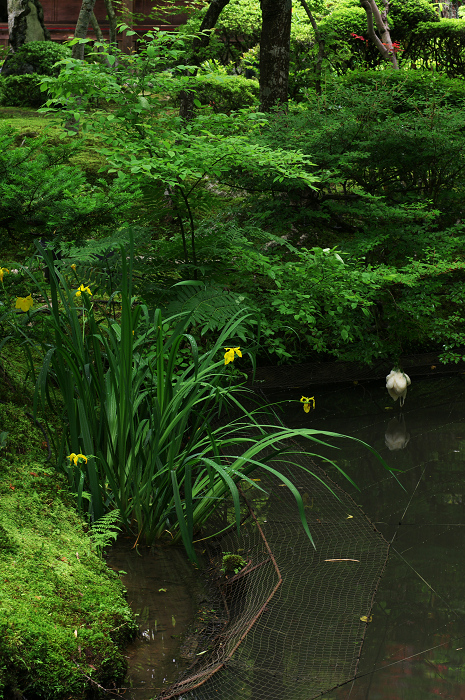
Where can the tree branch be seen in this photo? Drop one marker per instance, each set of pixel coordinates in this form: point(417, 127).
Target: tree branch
point(321, 46)
point(384, 45)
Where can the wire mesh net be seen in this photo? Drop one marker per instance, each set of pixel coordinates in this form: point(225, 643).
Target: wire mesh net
point(295, 616)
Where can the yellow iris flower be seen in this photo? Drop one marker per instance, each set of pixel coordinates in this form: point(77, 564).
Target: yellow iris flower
point(83, 289)
point(73, 267)
point(3, 271)
point(73, 457)
point(230, 353)
point(24, 303)
point(308, 402)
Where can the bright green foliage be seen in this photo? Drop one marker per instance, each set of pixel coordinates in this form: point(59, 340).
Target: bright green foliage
point(166, 157)
point(226, 93)
point(405, 16)
point(238, 30)
point(232, 563)
point(409, 87)
point(347, 17)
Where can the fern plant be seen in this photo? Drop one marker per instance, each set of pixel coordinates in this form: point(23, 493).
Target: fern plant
point(105, 530)
point(209, 306)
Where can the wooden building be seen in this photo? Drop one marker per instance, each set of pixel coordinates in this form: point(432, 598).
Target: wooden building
point(61, 17)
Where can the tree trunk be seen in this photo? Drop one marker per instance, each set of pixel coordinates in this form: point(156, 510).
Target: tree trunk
point(321, 47)
point(26, 23)
point(96, 27)
point(200, 41)
point(82, 25)
point(384, 45)
point(100, 38)
point(274, 52)
point(448, 10)
point(112, 20)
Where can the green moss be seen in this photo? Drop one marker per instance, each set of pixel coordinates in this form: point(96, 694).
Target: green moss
point(63, 615)
point(30, 124)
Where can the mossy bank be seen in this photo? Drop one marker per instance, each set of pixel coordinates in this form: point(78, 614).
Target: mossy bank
point(64, 620)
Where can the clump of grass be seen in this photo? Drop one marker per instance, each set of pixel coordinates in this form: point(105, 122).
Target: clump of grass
point(166, 440)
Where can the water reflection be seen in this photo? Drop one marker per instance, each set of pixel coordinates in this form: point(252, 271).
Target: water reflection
point(160, 585)
point(396, 436)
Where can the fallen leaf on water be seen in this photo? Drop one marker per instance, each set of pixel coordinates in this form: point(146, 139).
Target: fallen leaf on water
point(364, 618)
point(162, 590)
point(173, 620)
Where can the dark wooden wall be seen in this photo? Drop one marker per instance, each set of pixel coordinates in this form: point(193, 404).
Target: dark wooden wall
point(61, 17)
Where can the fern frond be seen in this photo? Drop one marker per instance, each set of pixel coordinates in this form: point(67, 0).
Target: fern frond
point(210, 307)
point(105, 530)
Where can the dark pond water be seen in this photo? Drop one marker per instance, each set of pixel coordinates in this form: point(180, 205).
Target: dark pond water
point(415, 644)
point(161, 588)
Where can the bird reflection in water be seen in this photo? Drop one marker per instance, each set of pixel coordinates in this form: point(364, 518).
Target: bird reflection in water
point(396, 436)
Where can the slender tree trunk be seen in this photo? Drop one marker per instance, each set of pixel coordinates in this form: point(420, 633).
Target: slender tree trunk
point(99, 35)
point(274, 52)
point(82, 25)
point(200, 41)
point(383, 44)
point(96, 27)
point(112, 20)
point(25, 23)
point(321, 47)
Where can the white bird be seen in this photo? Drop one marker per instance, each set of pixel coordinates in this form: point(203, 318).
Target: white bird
point(396, 384)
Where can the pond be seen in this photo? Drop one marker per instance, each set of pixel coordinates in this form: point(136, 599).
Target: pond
point(162, 591)
point(415, 643)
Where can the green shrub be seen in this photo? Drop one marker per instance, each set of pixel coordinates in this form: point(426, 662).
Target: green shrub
point(226, 93)
point(406, 15)
point(36, 57)
point(439, 46)
point(22, 91)
point(415, 84)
